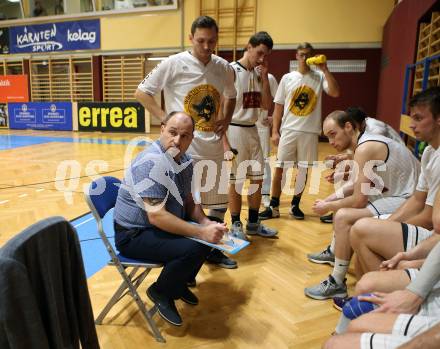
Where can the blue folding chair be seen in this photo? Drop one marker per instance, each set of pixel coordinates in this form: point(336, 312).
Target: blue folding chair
point(101, 198)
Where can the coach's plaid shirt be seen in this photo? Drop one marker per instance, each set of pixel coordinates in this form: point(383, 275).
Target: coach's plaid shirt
point(153, 174)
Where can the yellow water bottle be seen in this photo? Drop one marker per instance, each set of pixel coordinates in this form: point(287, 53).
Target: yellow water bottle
point(318, 59)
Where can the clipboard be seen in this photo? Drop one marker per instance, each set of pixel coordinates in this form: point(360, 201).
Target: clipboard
point(230, 246)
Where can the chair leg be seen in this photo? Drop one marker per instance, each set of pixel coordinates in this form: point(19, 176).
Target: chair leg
point(127, 283)
point(115, 298)
point(148, 314)
point(119, 293)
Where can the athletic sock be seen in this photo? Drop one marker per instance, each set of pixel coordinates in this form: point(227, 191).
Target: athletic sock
point(340, 270)
point(235, 218)
point(274, 201)
point(253, 216)
point(295, 200)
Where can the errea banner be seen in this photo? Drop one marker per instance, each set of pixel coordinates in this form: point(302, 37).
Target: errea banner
point(52, 37)
point(41, 116)
point(111, 117)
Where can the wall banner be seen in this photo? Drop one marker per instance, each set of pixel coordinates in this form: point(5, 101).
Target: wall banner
point(3, 115)
point(41, 116)
point(4, 40)
point(52, 37)
point(14, 88)
point(111, 117)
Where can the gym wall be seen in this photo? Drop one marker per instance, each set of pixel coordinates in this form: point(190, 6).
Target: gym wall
point(399, 49)
point(339, 23)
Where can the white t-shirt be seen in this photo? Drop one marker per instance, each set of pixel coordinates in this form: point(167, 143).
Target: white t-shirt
point(301, 96)
point(429, 178)
point(374, 126)
point(196, 88)
point(273, 83)
point(402, 168)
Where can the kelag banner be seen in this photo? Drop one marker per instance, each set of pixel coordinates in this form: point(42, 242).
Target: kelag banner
point(41, 116)
point(62, 36)
point(111, 117)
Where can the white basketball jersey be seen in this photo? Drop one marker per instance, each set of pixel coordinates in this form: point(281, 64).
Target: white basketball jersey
point(273, 91)
point(378, 127)
point(248, 85)
point(429, 179)
point(401, 170)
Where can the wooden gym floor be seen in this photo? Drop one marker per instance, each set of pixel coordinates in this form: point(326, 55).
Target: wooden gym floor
point(259, 305)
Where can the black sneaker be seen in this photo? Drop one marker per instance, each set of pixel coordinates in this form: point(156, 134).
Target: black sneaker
point(165, 306)
point(327, 219)
point(218, 258)
point(339, 302)
point(189, 297)
point(269, 212)
point(296, 212)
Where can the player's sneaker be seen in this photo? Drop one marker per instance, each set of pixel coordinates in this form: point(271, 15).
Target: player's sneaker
point(237, 231)
point(260, 229)
point(324, 257)
point(269, 212)
point(327, 219)
point(328, 288)
point(339, 302)
point(296, 212)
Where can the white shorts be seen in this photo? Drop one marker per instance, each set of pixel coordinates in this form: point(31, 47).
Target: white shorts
point(264, 134)
point(297, 146)
point(404, 329)
point(207, 148)
point(249, 162)
point(413, 235)
point(210, 183)
point(206, 145)
point(385, 205)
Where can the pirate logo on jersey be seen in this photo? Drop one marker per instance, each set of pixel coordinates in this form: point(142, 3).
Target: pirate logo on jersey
point(303, 101)
point(202, 103)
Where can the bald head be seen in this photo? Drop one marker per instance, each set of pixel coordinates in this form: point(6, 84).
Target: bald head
point(180, 115)
point(176, 133)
